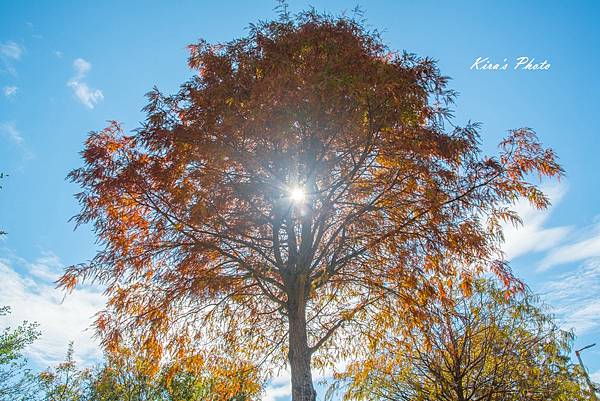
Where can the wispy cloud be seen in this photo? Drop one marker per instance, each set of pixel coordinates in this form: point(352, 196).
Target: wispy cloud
point(575, 297)
point(586, 246)
point(11, 50)
point(9, 53)
point(10, 91)
point(560, 244)
point(533, 235)
point(28, 287)
point(89, 97)
point(9, 130)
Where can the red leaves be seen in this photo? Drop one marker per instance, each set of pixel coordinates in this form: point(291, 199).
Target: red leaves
point(68, 280)
point(199, 237)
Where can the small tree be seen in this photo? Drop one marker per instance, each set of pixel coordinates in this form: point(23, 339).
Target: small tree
point(233, 385)
point(65, 382)
point(482, 347)
point(123, 376)
point(126, 376)
point(296, 194)
point(16, 380)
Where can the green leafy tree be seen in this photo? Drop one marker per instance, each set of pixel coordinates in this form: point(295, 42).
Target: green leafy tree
point(188, 386)
point(16, 380)
point(126, 376)
point(65, 382)
point(123, 378)
point(484, 347)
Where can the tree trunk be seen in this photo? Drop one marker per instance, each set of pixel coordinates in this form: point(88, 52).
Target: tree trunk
point(299, 352)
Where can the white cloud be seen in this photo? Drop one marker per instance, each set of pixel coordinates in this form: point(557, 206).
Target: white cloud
point(89, 97)
point(575, 297)
point(10, 91)
point(279, 387)
point(9, 130)
point(9, 53)
point(58, 53)
point(575, 294)
point(82, 67)
point(274, 393)
point(29, 289)
point(533, 236)
point(561, 244)
point(11, 50)
point(595, 376)
point(586, 247)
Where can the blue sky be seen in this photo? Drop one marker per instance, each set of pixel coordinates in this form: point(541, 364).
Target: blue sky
point(67, 67)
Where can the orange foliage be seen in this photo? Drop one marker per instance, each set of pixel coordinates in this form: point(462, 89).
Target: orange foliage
point(202, 248)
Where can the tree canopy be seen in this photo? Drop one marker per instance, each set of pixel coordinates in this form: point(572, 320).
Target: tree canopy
point(16, 380)
point(482, 347)
point(303, 189)
point(125, 376)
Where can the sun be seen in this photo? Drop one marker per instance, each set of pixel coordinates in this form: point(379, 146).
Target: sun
point(297, 194)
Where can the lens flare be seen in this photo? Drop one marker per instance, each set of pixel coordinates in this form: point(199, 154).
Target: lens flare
point(297, 194)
